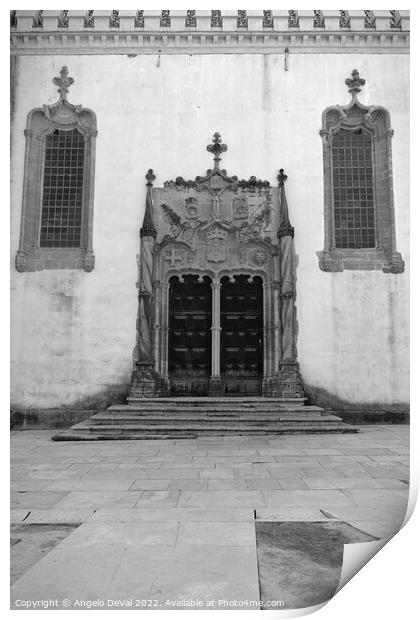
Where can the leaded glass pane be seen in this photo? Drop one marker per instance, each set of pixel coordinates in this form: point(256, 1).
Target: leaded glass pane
point(354, 213)
point(61, 217)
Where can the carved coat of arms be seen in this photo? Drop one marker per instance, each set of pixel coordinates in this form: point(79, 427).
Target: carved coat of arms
point(240, 209)
point(217, 245)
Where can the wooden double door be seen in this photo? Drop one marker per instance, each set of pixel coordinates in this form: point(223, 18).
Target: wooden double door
point(240, 325)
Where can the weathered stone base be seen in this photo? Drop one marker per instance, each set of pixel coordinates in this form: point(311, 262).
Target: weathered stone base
point(289, 381)
point(146, 382)
point(215, 387)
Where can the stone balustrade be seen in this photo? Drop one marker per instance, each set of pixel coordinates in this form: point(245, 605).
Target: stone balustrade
point(87, 31)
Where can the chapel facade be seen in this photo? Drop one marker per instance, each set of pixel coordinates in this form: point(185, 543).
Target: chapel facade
point(214, 205)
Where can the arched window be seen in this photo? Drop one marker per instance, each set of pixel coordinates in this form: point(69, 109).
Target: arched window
point(57, 210)
point(358, 197)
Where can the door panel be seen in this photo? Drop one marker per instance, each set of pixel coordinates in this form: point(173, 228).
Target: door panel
point(189, 336)
point(241, 319)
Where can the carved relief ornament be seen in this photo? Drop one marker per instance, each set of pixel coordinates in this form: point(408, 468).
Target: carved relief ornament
point(217, 244)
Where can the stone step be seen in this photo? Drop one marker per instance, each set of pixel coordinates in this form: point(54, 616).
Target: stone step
point(209, 417)
point(192, 417)
point(117, 433)
point(207, 410)
point(248, 401)
point(208, 407)
point(205, 424)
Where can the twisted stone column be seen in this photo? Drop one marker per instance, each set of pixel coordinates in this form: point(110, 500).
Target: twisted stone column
point(145, 300)
point(290, 383)
point(145, 380)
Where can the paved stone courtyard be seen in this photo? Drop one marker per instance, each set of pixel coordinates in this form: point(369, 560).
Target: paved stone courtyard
point(173, 519)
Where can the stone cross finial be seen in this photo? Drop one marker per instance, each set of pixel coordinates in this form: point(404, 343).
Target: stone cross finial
point(150, 177)
point(63, 82)
point(355, 82)
point(216, 148)
point(282, 177)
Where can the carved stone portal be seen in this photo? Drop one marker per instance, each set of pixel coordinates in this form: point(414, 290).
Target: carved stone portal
point(220, 317)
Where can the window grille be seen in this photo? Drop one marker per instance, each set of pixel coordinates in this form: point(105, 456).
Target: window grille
point(61, 217)
point(354, 214)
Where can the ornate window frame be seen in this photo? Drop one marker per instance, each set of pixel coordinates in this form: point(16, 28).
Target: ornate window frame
point(41, 122)
point(374, 120)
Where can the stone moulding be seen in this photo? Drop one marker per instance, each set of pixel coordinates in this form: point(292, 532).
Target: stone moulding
point(390, 33)
point(41, 122)
point(374, 121)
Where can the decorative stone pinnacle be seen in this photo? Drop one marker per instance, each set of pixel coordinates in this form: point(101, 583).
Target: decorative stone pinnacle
point(282, 177)
point(150, 177)
point(355, 82)
point(216, 148)
point(63, 82)
point(148, 229)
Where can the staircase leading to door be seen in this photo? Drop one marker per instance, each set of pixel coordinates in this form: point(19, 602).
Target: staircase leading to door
point(188, 418)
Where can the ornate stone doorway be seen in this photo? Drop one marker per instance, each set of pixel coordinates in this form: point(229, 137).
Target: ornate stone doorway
point(216, 312)
point(189, 355)
point(241, 322)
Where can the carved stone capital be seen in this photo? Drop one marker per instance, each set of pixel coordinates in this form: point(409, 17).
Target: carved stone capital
point(148, 231)
point(286, 231)
point(287, 295)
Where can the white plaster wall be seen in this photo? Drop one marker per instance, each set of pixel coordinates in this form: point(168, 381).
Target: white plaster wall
point(73, 333)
